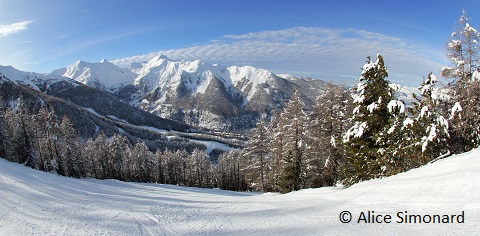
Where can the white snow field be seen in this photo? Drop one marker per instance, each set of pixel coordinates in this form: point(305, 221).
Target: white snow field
point(38, 203)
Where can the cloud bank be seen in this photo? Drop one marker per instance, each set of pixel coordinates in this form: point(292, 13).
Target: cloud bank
point(324, 53)
point(14, 28)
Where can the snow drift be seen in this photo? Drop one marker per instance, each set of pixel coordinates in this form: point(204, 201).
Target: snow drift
point(33, 202)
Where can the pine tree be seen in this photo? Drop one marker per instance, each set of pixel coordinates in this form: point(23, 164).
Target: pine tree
point(230, 171)
point(294, 120)
point(463, 51)
point(5, 140)
point(141, 165)
point(429, 125)
point(366, 142)
point(328, 121)
point(70, 149)
point(118, 150)
point(277, 144)
point(257, 154)
point(23, 138)
point(160, 168)
point(198, 170)
point(100, 156)
point(45, 127)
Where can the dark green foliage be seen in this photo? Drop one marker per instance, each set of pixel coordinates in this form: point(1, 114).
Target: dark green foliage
point(365, 143)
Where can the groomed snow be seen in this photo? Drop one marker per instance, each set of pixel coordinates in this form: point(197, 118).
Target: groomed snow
point(33, 202)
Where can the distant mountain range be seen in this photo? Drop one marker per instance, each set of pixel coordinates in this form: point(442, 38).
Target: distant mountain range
point(195, 92)
point(179, 95)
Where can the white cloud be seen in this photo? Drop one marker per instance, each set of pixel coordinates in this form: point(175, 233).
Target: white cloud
point(329, 54)
point(14, 28)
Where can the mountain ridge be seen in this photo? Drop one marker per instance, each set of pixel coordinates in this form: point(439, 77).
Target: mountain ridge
point(195, 92)
point(102, 75)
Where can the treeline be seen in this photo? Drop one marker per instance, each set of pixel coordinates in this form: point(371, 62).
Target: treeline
point(42, 141)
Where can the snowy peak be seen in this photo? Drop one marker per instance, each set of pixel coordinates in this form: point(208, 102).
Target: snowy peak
point(162, 72)
point(103, 75)
point(39, 82)
point(255, 75)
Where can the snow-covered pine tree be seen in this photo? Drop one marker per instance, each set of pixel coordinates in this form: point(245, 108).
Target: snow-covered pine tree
point(45, 127)
point(160, 168)
point(140, 165)
point(100, 155)
point(229, 171)
point(70, 149)
point(257, 155)
point(118, 150)
point(276, 144)
point(463, 51)
point(366, 142)
point(428, 128)
point(198, 170)
point(175, 163)
point(294, 118)
point(91, 162)
point(5, 140)
point(23, 139)
point(327, 123)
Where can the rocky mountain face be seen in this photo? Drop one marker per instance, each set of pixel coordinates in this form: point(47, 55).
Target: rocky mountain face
point(195, 92)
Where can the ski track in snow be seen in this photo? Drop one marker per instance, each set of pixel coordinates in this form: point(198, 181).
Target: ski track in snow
point(38, 203)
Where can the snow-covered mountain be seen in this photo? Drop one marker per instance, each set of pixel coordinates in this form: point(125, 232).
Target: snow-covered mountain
point(196, 92)
point(39, 82)
point(405, 94)
point(196, 76)
point(74, 100)
point(39, 203)
point(103, 75)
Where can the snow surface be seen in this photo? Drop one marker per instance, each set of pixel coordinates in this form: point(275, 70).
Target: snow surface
point(38, 203)
point(210, 145)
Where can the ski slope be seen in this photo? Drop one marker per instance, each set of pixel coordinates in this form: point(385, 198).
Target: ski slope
point(38, 203)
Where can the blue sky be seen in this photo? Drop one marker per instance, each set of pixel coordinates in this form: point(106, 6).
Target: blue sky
point(323, 39)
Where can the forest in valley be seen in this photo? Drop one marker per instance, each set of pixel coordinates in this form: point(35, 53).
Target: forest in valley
point(349, 135)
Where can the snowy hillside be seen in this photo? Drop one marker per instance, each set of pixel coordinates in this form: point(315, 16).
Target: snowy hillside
point(38, 203)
